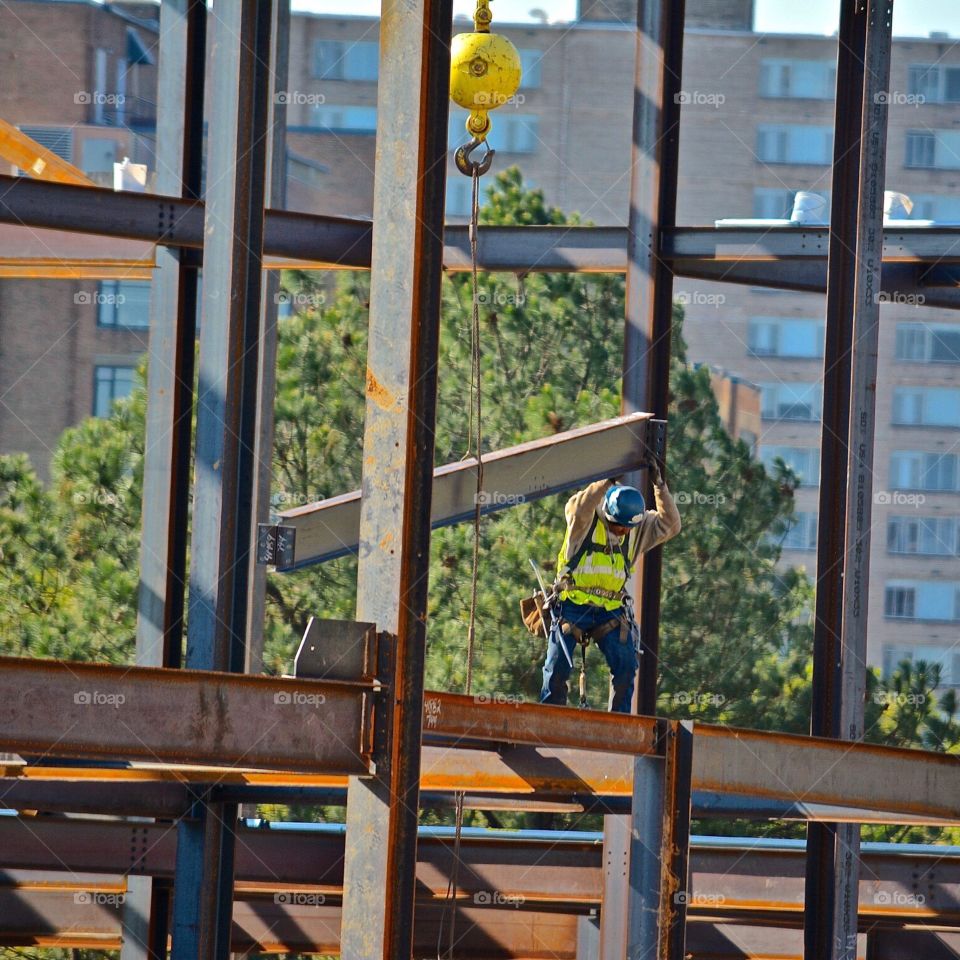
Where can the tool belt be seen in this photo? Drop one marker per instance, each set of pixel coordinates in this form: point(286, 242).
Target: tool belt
point(598, 632)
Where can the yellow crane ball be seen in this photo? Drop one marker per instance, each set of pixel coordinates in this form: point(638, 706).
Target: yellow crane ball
point(484, 71)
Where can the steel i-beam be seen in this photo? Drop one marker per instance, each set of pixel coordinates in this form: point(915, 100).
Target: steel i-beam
point(398, 448)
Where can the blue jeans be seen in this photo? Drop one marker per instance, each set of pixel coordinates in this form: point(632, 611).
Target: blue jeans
point(621, 657)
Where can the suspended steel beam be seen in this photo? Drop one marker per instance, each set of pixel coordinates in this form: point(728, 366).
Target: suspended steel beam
point(527, 472)
point(94, 710)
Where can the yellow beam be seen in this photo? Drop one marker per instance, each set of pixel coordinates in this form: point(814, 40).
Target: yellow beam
point(75, 270)
point(23, 151)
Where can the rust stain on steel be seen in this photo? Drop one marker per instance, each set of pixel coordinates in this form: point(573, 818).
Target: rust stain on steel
point(537, 724)
point(379, 394)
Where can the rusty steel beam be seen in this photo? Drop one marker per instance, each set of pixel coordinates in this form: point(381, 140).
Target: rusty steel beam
point(738, 879)
point(94, 710)
point(480, 717)
point(35, 160)
point(526, 472)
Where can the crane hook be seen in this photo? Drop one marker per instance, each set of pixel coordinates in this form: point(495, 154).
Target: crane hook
point(466, 165)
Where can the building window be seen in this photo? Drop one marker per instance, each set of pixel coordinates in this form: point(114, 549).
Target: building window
point(806, 79)
point(899, 602)
point(530, 61)
point(928, 342)
point(791, 401)
point(927, 536)
point(802, 535)
point(345, 119)
point(345, 60)
point(933, 149)
point(936, 83)
point(124, 304)
point(926, 406)
point(794, 143)
point(459, 197)
point(928, 206)
point(933, 600)
point(772, 203)
point(110, 383)
point(780, 337)
point(916, 470)
point(803, 461)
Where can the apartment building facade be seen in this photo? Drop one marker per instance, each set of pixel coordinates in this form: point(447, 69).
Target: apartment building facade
point(757, 128)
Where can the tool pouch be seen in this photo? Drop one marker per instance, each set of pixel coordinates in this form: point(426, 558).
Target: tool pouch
point(532, 610)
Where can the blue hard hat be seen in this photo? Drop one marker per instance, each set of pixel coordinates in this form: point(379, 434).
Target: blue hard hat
point(623, 505)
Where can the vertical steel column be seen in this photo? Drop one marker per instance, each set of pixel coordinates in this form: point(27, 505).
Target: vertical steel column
point(276, 198)
point(660, 820)
point(398, 448)
point(170, 367)
point(226, 431)
point(646, 366)
point(173, 311)
point(850, 374)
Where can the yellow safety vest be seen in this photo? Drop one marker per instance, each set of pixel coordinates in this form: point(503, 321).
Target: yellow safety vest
point(599, 567)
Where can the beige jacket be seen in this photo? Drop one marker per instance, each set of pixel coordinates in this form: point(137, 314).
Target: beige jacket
point(656, 527)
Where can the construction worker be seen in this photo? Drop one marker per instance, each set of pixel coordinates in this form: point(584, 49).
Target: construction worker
point(608, 527)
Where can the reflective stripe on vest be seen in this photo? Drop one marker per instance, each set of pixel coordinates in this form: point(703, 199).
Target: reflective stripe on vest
point(596, 568)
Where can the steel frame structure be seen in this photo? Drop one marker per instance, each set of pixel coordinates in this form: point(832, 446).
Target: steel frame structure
point(194, 747)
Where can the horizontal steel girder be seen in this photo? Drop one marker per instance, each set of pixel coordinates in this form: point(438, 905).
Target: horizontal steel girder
point(201, 719)
point(94, 710)
point(315, 241)
point(524, 473)
point(284, 871)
